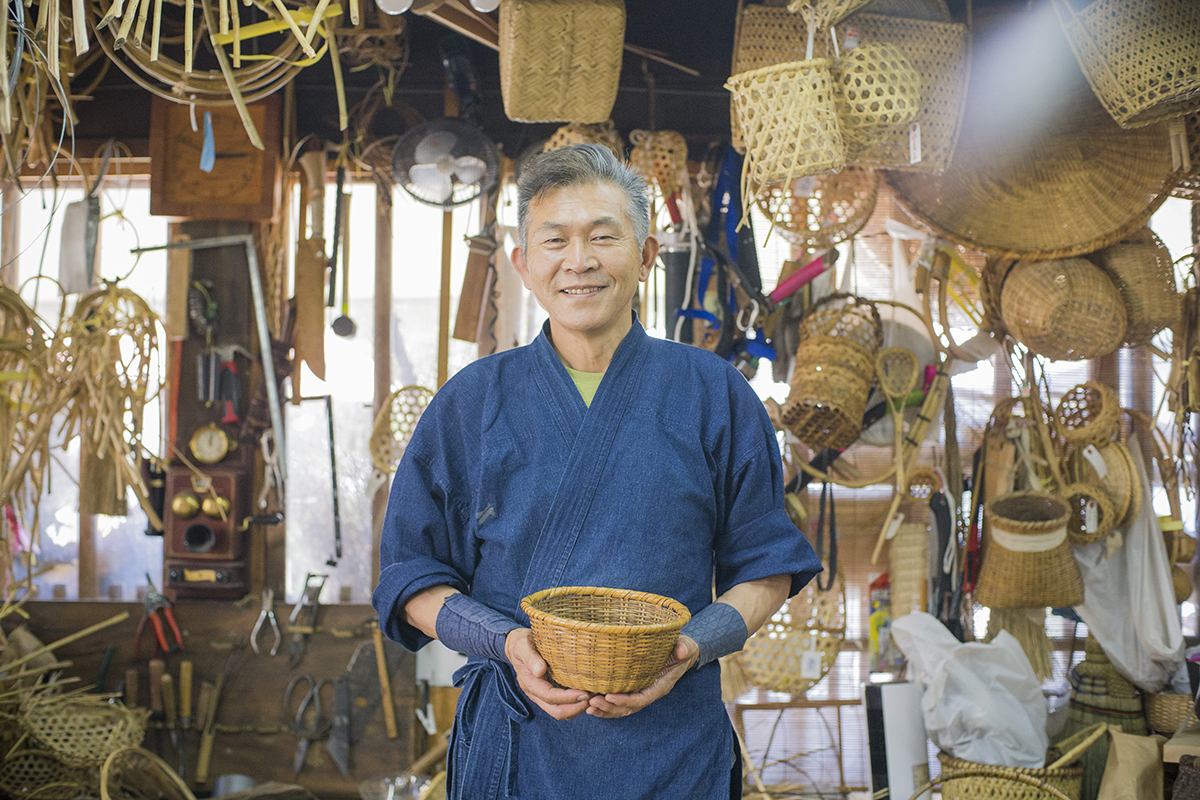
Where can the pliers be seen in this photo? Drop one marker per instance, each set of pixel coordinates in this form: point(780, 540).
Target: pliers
point(154, 603)
point(267, 613)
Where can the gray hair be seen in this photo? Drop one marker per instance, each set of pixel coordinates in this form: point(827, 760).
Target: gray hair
point(580, 165)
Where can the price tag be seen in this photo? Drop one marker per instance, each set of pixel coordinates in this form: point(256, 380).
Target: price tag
point(810, 662)
point(1096, 460)
point(914, 143)
point(851, 40)
point(1091, 516)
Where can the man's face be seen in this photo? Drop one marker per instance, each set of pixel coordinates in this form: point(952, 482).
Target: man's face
point(582, 261)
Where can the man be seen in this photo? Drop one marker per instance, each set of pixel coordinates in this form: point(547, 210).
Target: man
point(596, 456)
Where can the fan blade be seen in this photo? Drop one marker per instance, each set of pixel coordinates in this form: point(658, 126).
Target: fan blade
point(469, 169)
point(434, 146)
point(431, 182)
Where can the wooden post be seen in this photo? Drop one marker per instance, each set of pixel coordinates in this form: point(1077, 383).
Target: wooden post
point(10, 235)
point(383, 342)
point(443, 365)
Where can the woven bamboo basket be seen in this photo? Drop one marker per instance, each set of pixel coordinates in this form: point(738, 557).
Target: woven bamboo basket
point(132, 773)
point(834, 368)
point(812, 620)
point(1188, 185)
point(1181, 584)
point(1119, 481)
point(820, 211)
point(1028, 562)
point(878, 93)
point(604, 640)
point(40, 774)
point(1088, 413)
point(1166, 712)
point(828, 12)
point(1078, 495)
point(1066, 309)
point(82, 731)
point(789, 123)
point(603, 133)
point(908, 567)
point(560, 60)
point(1144, 275)
point(999, 784)
point(394, 425)
point(660, 156)
point(765, 36)
point(1141, 57)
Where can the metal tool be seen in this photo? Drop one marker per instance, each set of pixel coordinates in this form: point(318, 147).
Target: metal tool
point(303, 619)
point(154, 604)
point(337, 516)
point(267, 614)
point(339, 737)
point(102, 675)
point(308, 722)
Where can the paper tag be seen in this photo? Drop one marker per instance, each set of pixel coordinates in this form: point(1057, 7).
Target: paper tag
point(200, 575)
point(1180, 157)
point(851, 40)
point(805, 186)
point(1091, 516)
point(914, 143)
point(1096, 460)
point(810, 663)
point(894, 525)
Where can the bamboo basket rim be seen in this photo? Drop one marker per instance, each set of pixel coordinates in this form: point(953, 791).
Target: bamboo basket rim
point(529, 606)
point(990, 772)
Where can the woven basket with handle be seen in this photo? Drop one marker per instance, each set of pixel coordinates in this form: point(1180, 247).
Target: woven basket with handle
point(1141, 57)
point(560, 60)
point(604, 640)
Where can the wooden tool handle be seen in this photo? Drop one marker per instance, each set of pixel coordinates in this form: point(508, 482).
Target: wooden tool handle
point(202, 705)
point(185, 689)
point(205, 757)
point(157, 668)
point(131, 687)
point(385, 686)
point(168, 698)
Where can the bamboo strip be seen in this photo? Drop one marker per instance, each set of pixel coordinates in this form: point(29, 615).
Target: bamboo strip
point(5, 107)
point(227, 71)
point(295, 29)
point(336, 61)
point(88, 631)
point(52, 56)
point(354, 12)
point(236, 18)
point(224, 15)
point(79, 25)
point(126, 25)
point(188, 35)
point(314, 24)
point(156, 34)
point(114, 11)
point(142, 17)
point(43, 20)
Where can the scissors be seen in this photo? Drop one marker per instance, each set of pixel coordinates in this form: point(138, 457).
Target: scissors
point(308, 723)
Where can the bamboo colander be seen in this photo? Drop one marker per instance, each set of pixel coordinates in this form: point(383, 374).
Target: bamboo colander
point(820, 211)
point(604, 640)
point(394, 426)
point(1088, 413)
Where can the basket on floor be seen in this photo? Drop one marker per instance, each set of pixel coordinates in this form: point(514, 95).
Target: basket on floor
point(820, 211)
point(1088, 414)
point(1081, 530)
point(661, 157)
point(132, 773)
point(1141, 57)
point(41, 774)
point(878, 93)
point(833, 372)
point(994, 782)
point(560, 60)
point(1119, 480)
point(604, 640)
point(82, 731)
point(789, 123)
point(1028, 561)
point(1065, 310)
point(603, 133)
point(1142, 271)
point(812, 620)
point(1166, 712)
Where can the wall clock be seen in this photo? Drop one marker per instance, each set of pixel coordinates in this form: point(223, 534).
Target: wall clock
point(244, 182)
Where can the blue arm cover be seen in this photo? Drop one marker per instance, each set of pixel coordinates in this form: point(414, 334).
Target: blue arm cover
point(468, 626)
point(719, 630)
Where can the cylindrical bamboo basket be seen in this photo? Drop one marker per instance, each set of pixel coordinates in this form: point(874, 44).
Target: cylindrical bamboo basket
point(877, 91)
point(1088, 413)
point(1028, 562)
point(1065, 310)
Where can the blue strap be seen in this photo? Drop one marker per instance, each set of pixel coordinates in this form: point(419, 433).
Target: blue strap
point(758, 349)
point(516, 705)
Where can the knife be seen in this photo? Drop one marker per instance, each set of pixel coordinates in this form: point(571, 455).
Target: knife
point(339, 735)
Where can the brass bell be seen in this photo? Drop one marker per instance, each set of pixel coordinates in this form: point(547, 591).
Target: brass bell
point(185, 505)
point(215, 507)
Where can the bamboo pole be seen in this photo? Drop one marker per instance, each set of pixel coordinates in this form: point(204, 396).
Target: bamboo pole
point(335, 61)
point(143, 15)
point(234, 91)
point(314, 24)
point(295, 29)
point(383, 344)
point(156, 34)
point(188, 35)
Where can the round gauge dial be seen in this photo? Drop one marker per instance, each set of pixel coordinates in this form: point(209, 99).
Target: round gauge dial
point(209, 444)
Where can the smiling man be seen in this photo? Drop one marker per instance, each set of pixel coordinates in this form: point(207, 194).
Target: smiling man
point(595, 456)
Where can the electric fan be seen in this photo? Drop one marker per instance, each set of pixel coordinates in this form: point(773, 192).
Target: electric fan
point(445, 163)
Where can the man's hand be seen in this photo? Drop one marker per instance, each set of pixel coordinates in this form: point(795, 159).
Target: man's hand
point(612, 706)
point(561, 704)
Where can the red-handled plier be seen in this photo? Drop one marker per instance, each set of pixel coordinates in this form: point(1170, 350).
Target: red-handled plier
point(154, 603)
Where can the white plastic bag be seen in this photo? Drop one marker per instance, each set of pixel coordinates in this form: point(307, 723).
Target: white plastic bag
point(982, 702)
point(1140, 632)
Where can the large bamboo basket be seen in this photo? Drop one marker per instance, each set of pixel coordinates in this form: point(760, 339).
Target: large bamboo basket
point(1141, 269)
point(604, 640)
point(1028, 562)
point(1065, 310)
point(560, 60)
point(1141, 57)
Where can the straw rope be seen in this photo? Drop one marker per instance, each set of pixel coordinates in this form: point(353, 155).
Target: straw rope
point(560, 61)
point(1141, 57)
point(604, 640)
